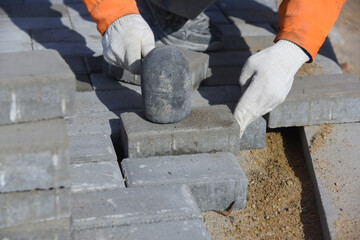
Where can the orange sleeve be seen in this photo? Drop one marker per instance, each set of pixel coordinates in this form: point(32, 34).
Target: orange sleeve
point(105, 12)
point(307, 22)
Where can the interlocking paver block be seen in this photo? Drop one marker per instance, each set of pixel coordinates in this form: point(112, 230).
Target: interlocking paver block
point(17, 23)
point(17, 208)
point(269, 5)
point(56, 35)
point(71, 49)
point(34, 155)
point(83, 83)
point(206, 130)
point(319, 99)
point(53, 229)
point(41, 10)
point(332, 156)
point(91, 148)
point(127, 206)
point(103, 82)
point(34, 86)
point(178, 230)
point(17, 36)
point(76, 64)
point(215, 180)
point(98, 176)
point(13, 47)
point(198, 63)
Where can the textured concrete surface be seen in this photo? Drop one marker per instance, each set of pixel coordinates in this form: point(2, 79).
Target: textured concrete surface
point(34, 86)
point(319, 99)
point(95, 210)
point(17, 208)
point(71, 49)
point(53, 229)
point(193, 229)
point(332, 156)
point(96, 176)
point(91, 148)
point(34, 156)
point(206, 130)
point(27, 23)
point(215, 180)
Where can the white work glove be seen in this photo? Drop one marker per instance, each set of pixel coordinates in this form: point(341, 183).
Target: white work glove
point(266, 80)
point(126, 40)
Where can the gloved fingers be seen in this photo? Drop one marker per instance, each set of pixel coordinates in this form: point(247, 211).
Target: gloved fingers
point(246, 76)
point(132, 58)
point(147, 44)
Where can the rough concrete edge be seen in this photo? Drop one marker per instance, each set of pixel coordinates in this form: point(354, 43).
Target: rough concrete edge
point(309, 163)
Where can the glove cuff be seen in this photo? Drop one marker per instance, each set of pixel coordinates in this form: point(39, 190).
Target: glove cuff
point(291, 55)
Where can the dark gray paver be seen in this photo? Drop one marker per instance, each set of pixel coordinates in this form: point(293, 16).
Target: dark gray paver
point(332, 156)
point(34, 155)
point(41, 10)
point(254, 135)
point(17, 23)
point(198, 63)
point(17, 208)
point(96, 176)
point(94, 64)
point(91, 148)
point(127, 206)
point(206, 130)
point(34, 86)
point(319, 99)
point(192, 229)
point(53, 229)
point(83, 83)
point(70, 49)
point(215, 180)
point(269, 5)
point(76, 64)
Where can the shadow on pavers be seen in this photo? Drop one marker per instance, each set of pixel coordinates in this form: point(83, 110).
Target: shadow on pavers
point(50, 35)
point(309, 216)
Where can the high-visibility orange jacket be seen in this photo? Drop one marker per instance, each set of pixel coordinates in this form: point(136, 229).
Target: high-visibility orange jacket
point(303, 22)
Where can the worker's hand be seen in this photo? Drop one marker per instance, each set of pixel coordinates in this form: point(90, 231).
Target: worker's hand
point(126, 40)
point(266, 80)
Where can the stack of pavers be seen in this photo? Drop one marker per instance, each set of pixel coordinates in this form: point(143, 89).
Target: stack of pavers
point(37, 90)
point(171, 172)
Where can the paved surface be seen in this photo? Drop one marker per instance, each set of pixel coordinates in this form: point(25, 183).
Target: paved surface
point(102, 207)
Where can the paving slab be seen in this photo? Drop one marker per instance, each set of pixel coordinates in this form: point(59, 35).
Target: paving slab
point(124, 207)
point(15, 47)
point(76, 64)
point(96, 176)
point(269, 5)
point(94, 64)
point(17, 208)
point(206, 130)
point(34, 86)
point(332, 157)
point(53, 229)
point(319, 99)
point(92, 123)
point(34, 23)
point(91, 148)
point(215, 180)
point(34, 156)
point(70, 49)
point(12, 2)
point(77, 9)
point(41, 10)
point(217, 17)
point(198, 63)
point(83, 83)
point(102, 82)
point(192, 229)
point(56, 35)
point(252, 16)
point(82, 21)
point(16, 36)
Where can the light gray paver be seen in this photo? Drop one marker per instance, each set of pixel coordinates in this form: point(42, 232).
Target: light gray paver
point(206, 130)
point(15, 47)
point(34, 155)
point(91, 148)
point(333, 162)
point(34, 86)
point(17, 208)
point(192, 229)
point(254, 135)
point(82, 21)
point(83, 83)
point(215, 180)
point(103, 82)
point(94, 210)
point(56, 229)
point(98, 176)
point(17, 36)
point(319, 99)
